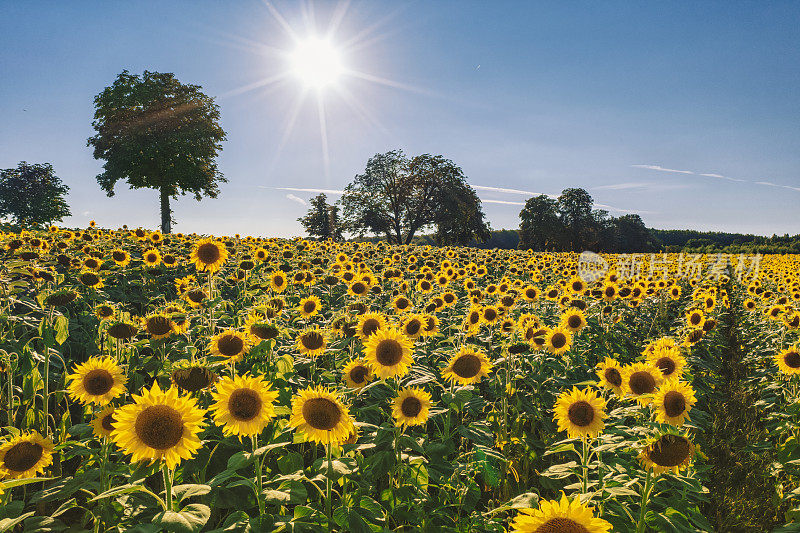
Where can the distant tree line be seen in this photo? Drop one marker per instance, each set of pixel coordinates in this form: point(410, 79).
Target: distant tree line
point(570, 223)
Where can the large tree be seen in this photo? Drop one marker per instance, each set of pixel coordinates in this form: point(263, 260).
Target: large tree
point(396, 197)
point(158, 133)
point(540, 227)
point(32, 195)
point(322, 219)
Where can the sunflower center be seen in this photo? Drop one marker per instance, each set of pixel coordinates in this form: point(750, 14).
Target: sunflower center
point(98, 382)
point(559, 340)
point(370, 326)
point(23, 456)
point(695, 319)
point(490, 314)
point(666, 365)
point(389, 352)
point(413, 327)
point(309, 307)
point(321, 413)
point(642, 382)
point(574, 321)
point(208, 253)
point(613, 376)
point(196, 295)
point(581, 413)
point(561, 525)
point(118, 256)
point(411, 406)
point(358, 287)
point(108, 422)
point(264, 331)
point(230, 345)
point(158, 325)
point(244, 404)
point(669, 451)
point(674, 403)
point(792, 359)
point(312, 340)
point(151, 258)
point(90, 279)
point(467, 366)
point(159, 426)
point(359, 374)
point(278, 280)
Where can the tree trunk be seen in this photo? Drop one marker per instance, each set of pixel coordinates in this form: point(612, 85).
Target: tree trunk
point(166, 213)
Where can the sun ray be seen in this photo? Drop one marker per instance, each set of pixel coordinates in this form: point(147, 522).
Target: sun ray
point(323, 132)
point(362, 112)
point(256, 84)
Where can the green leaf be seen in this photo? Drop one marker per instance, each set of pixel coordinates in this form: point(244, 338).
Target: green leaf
point(7, 524)
point(183, 492)
point(290, 463)
point(62, 329)
point(190, 519)
point(288, 492)
point(523, 501)
point(118, 491)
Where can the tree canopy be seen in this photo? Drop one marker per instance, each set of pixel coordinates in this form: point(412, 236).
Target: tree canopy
point(570, 223)
point(158, 133)
point(32, 195)
point(322, 219)
point(397, 197)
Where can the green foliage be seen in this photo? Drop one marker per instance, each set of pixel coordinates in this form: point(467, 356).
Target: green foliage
point(322, 220)
point(157, 133)
point(396, 197)
point(32, 195)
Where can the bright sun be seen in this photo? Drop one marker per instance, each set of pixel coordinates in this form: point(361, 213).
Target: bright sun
point(316, 62)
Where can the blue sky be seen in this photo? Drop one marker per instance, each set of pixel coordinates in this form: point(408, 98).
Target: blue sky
point(527, 97)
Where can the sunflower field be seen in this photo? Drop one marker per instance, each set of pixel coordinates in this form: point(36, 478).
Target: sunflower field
point(186, 383)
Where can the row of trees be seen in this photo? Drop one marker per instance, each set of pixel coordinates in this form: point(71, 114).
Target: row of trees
point(570, 223)
point(398, 197)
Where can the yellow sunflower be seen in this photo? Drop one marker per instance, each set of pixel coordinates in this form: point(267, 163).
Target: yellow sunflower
point(389, 353)
point(788, 360)
point(258, 328)
point(667, 453)
point(278, 281)
point(673, 401)
point(243, 405)
point(320, 416)
point(230, 344)
point(158, 326)
point(103, 423)
point(610, 374)
point(558, 340)
point(209, 255)
point(574, 320)
point(357, 373)
point(412, 326)
point(411, 407)
point(311, 341)
point(564, 516)
point(25, 456)
point(467, 366)
point(669, 360)
point(151, 258)
point(641, 380)
point(159, 426)
point(368, 324)
point(97, 381)
point(695, 318)
point(580, 413)
point(309, 307)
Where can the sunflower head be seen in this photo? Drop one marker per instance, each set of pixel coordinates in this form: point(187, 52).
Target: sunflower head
point(564, 516)
point(193, 377)
point(610, 374)
point(97, 381)
point(243, 405)
point(669, 360)
point(311, 341)
point(788, 360)
point(573, 320)
point(158, 326)
point(673, 401)
point(230, 344)
point(389, 353)
point(558, 340)
point(159, 426)
point(103, 423)
point(25, 456)
point(667, 453)
point(369, 324)
point(320, 416)
point(580, 413)
point(209, 255)
point(357, 374)
point(121, 330)
point(411, 407)
point(641, 380)
point(467, 366)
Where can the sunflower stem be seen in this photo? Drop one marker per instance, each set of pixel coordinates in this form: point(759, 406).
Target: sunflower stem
point(259, 478)
point(46, 392)
point(328, 483)
point(167, 486)
point(585, 466)
point(641, 526)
